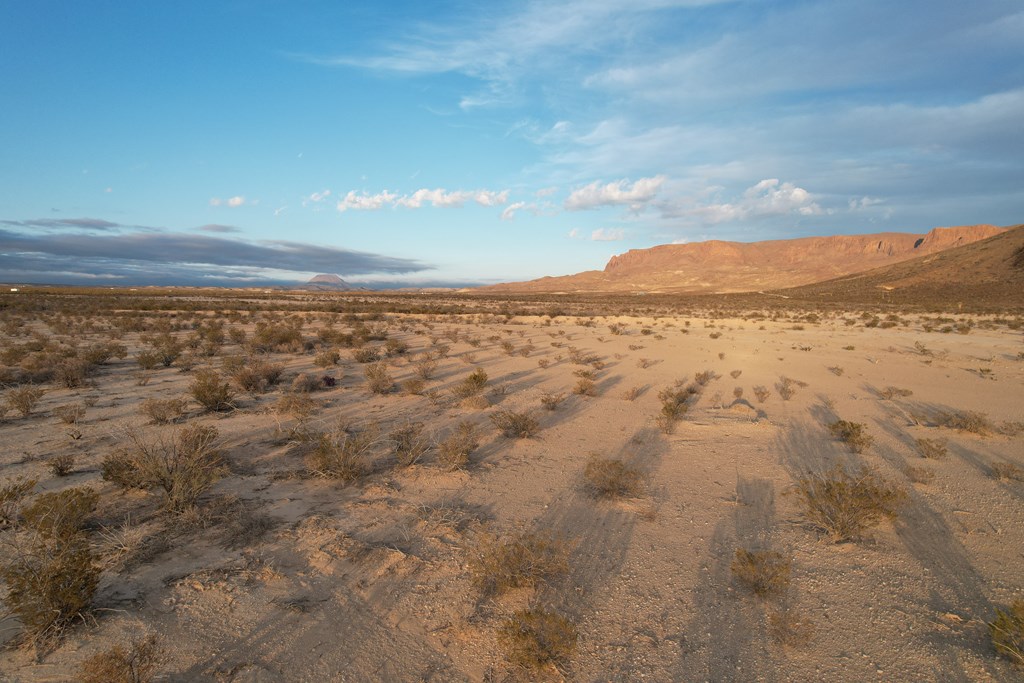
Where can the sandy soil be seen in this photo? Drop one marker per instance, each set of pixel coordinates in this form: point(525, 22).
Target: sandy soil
point(283, 576)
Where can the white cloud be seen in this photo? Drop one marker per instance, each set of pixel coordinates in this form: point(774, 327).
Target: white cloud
point(546, 191)
point(439, 197)
point(215, 201)
point(574, 233)
point(319, 196)
point(236, 201)
point(608, 235)
point(864, 203)
point(510, 211)
point(768, 197)
point(618, 192)
point(366, 202)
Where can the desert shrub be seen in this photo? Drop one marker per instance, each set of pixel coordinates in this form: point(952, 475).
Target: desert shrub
point(836, 370)
point(366, 354)
point(12, 492)
point(762, 393)
point(23, 399)
point(60, 513)
point(786, 388)
point(283, 338)
point(525, 559)
point(70, 413)
point(704, 378)
point(98, 354)
point(934, 449)
point(136, 663)
point(890, 393)
point(425, 366)
point(343, 455)
point(536, 638)
point(632, 393)
point(378, 379)
point(163, 410)
point(147, 360)
point(471, 385)
point(513, 425)
point(853, 434)
point(610, 478)
point(919, 475)
point(395, 347)
point(673, 406)
point(845, 505)
point(71, 373)
point(255, 376)
point(1007, 471)
point(735, 374)
point(305, 383)
point(182, 467)
point(965, 421)
point(585, 387)
point(409, 444)
point(1007, 632)
point(212, 391)
point(765, 572)
point(61, 465)
point(326, 359)
point(414, 386)
point(453, 452)
point(551, 401)
point(50, 581)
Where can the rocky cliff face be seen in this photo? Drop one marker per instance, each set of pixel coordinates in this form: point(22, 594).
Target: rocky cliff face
point(719, 266)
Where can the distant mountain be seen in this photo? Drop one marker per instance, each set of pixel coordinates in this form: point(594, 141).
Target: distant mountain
point(327, 282)
point(718, 267)
point(983, 275)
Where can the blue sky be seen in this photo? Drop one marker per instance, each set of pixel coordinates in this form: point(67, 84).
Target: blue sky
point(459, 142)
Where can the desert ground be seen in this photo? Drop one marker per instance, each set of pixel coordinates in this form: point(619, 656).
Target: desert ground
point(624, 493)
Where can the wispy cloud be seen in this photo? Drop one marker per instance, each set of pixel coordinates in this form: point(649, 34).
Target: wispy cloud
point(769, 197)
point(214, 227)
point(65, 224)
point(231, 202)
point(616, 193)
point(608, 235)
point(439, 197)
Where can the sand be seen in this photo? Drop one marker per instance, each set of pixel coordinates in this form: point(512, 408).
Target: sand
point(280, 575)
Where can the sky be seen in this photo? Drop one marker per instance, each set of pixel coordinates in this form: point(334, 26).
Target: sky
point(452, 143)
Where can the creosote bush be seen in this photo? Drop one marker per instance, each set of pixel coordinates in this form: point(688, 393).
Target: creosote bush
point(853, 434)
point(965, 421)
point(212, 391)
point(23, 399)
point(845, 505)
point(454, 451)
point(471, 385)
point(409, 444)
point(163, 410)
point(524, 559)
point(1007, 632)
point(136, 663)
point(182, 467)
point(611, 478)
point(585, 387)
point(765, 572)
point(12, 492)
point(536, 638)
point(342, 454)
point(551, 401)
point(61, 465)
point(51, 575)
point(513, 425)
point(378, 379)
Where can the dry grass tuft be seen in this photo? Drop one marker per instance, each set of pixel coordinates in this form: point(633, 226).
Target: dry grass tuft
point(1007, 632)
point(472, 385)
point(378, 379)
point(1007, 471)
point(933, 449)
point(845, 506)
point(789, 627)
point(513, 425)
point(610, 478)
point(454, 451)
point(23, 399)
point(965, 421)
point(853, 434)
point(343, 455)
point(889, 393)
point(765, 572)
point(525, 559)
point(136, 663)
point(551, 401)
point(409, 444)
point(919, 475)
point(536, 638)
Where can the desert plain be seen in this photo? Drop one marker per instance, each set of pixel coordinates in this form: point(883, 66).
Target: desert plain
point(391, 483)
